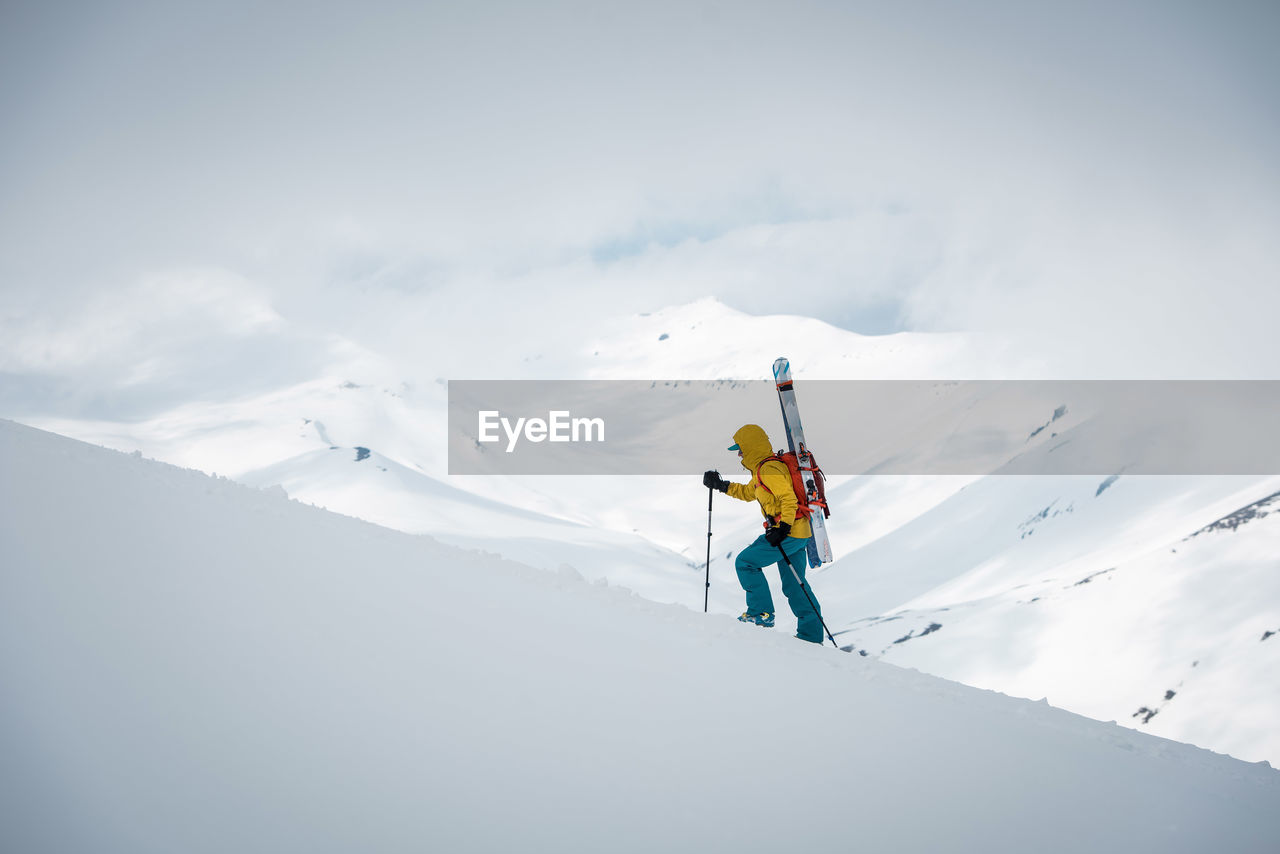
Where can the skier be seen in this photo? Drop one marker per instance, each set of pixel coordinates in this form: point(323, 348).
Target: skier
point(771, 485)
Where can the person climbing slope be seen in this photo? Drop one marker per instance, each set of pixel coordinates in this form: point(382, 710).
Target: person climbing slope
point(771, 485)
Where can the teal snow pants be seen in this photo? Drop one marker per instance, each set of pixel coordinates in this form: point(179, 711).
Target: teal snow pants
point(750, 565)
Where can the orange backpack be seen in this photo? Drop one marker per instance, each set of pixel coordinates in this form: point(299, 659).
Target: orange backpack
point(807, 501)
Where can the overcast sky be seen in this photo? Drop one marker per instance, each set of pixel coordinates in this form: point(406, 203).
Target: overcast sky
point(1097, 183)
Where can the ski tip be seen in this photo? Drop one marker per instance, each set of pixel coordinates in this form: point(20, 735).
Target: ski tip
point(781, 365)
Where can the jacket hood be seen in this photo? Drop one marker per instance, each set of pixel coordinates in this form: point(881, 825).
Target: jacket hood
point(755, 445)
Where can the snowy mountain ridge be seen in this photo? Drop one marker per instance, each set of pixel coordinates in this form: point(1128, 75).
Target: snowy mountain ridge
point(193, 664)
point(963, 553)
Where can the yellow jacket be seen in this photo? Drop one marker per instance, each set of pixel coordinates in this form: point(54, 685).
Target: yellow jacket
point(777, 495)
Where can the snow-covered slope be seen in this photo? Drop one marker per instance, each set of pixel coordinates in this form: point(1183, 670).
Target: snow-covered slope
point(959, 552)
point(363, 483)
point(1150, 600)
point(707, 339)
point(192, 664)
point(306, 437)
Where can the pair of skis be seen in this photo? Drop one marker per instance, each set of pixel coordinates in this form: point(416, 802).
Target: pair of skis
point(819, 547)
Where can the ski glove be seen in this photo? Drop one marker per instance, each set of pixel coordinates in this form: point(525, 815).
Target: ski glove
point(713, 480)
point(775, 535)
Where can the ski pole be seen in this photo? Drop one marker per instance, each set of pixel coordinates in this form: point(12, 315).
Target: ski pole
point(812, 605)
point(706, 594)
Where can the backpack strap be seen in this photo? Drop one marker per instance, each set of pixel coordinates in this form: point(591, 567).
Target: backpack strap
point(771, 520)
point(771, 458)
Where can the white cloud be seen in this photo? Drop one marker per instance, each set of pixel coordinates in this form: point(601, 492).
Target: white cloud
point(172, 337)
point(160, 310)
point(418, 176)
